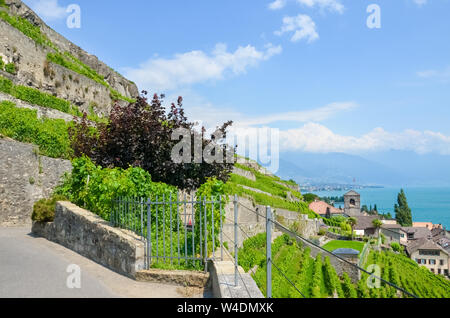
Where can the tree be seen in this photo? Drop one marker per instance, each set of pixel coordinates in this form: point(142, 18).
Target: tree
point(140, 135)
point(352, 222)
point(310, 197)
point(403, 213)
point(377, 224)
point(375, 208)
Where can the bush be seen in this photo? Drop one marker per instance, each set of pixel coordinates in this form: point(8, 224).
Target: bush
point(212, 189)
point(10, 68)
point(93, 188)
point(2, 64)
point(396, 247)
point(140, 135)
point(5, 85)
point(44, 210)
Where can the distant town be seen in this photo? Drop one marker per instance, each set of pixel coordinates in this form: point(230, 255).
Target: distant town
point(335, 187)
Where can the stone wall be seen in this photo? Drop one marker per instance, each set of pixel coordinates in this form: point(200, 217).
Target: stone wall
point(92, 237)
point(30, 60)
point(25, 177)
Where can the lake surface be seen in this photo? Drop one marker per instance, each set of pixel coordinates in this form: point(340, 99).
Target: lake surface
point(428, 204)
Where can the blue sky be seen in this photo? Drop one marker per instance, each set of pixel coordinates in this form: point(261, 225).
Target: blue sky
point(311, 68)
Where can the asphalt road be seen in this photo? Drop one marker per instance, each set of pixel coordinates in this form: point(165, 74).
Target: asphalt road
point(33, 267)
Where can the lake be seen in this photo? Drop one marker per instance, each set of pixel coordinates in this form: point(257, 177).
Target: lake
point(428, 204)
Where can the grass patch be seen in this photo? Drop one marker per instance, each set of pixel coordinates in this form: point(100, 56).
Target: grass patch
point(23, 125)
point(333, 245)
point(275, 202)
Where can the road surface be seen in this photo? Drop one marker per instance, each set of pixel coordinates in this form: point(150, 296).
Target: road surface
point(33, 267)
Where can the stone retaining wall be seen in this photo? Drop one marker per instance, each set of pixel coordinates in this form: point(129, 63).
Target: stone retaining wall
point(92, 237)
point(25, 177)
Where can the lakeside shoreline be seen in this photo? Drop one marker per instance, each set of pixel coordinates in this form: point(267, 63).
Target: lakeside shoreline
point(428, 204)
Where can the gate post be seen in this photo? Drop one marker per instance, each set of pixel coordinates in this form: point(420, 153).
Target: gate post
point(269, 252)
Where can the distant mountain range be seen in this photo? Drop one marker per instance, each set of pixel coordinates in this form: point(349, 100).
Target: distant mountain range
point(392, 168)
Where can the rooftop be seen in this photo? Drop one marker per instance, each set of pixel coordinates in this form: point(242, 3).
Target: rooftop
point(351, 192)
point(418, 232)
point(320, 208)
point(423, 244)
point(364, 222)
point(346, 251)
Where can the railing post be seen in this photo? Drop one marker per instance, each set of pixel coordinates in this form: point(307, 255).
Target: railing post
point(236, 240)
point(269, 225)
point(149, 233)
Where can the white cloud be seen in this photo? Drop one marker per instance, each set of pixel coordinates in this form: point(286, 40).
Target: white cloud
point(420, 2)
point(302, 27)
point(210, 115)
point(313, 137)
point(48, 9)
point(316, 115)
point(331, 5)
point(277, 4)
point(442, 74)
point(197, 66)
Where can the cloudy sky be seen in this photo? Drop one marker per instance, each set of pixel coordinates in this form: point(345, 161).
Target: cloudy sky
point(311, 68)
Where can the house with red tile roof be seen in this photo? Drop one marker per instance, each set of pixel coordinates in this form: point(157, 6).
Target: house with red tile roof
point(321, 208)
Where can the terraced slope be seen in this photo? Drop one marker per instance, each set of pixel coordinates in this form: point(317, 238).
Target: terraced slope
point(316, 278)
point(252, 181)
point(33, 56)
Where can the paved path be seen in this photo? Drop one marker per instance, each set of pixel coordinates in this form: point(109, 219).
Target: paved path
point(35, 267)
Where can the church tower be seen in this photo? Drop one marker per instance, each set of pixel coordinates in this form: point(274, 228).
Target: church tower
point(352, 203)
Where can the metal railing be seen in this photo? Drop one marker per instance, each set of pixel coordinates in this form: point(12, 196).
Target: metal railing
point(188, 233)
point(271, 224)
point(184, 233)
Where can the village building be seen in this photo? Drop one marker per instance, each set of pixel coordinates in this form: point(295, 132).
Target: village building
point(364, 225)
point(442, 238)
point(427, 253)
point(428, 225)
point(352, 203)
point(416, 233)
point(325, 210)
point(394, 233)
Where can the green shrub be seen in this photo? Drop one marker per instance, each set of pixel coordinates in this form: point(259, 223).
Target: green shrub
point(93, 188)
point(2, 64)
point(213, 189)
point(6, 85)
point(396, 247)
point(44, 210)
point(10, 68)
point(23, 125)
